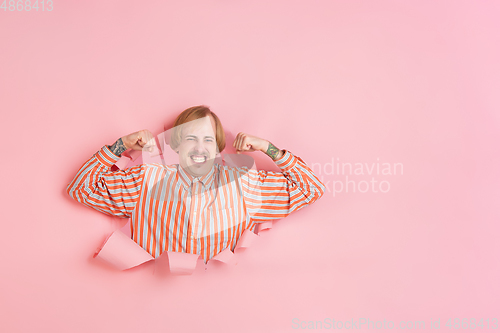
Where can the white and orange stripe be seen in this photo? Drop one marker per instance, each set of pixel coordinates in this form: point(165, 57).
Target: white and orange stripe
point(172, 211)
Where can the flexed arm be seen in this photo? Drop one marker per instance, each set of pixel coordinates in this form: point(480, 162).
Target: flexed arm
point(273, 195)
point(113, 193)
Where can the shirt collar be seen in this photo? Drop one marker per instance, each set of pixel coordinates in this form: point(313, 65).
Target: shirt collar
point(187, 180)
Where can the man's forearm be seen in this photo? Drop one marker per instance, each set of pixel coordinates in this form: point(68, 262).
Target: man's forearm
point(273, 152)
point(118, 147)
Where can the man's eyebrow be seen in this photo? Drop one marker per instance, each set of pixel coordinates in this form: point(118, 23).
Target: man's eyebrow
point(194, 136)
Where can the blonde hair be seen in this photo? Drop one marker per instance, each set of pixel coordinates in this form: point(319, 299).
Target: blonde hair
point(193, 113)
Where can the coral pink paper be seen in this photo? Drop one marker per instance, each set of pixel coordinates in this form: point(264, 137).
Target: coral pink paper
point(120, 251)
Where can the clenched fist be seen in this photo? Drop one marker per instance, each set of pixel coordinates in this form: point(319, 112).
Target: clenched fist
point(139, 140)
point(244, 142)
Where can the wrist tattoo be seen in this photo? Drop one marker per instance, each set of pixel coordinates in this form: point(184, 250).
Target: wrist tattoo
point(272, 151)
point(118, 147)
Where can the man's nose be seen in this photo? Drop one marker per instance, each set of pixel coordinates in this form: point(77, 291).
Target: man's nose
point(200, 147)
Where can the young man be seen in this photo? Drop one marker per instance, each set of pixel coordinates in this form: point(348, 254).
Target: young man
point(196, 206)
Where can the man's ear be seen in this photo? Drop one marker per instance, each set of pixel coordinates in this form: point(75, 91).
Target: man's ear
point(175, 149)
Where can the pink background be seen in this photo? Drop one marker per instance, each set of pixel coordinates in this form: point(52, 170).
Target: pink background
point(411, 82)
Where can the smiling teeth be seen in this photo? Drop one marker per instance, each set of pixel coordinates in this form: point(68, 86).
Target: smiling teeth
point(198, 159)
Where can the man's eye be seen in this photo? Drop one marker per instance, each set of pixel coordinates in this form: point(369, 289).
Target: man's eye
point(190, 139)
point(209, 140)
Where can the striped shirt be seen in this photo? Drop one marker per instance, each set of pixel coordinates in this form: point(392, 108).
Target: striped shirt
point(172, 211)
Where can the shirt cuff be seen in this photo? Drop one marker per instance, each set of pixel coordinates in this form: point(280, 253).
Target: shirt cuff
point(106, 157)
point(287, 161)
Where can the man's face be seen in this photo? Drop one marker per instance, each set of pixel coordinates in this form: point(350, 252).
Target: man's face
point(198, 146)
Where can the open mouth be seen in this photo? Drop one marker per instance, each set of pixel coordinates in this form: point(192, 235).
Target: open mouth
point(198, 159)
